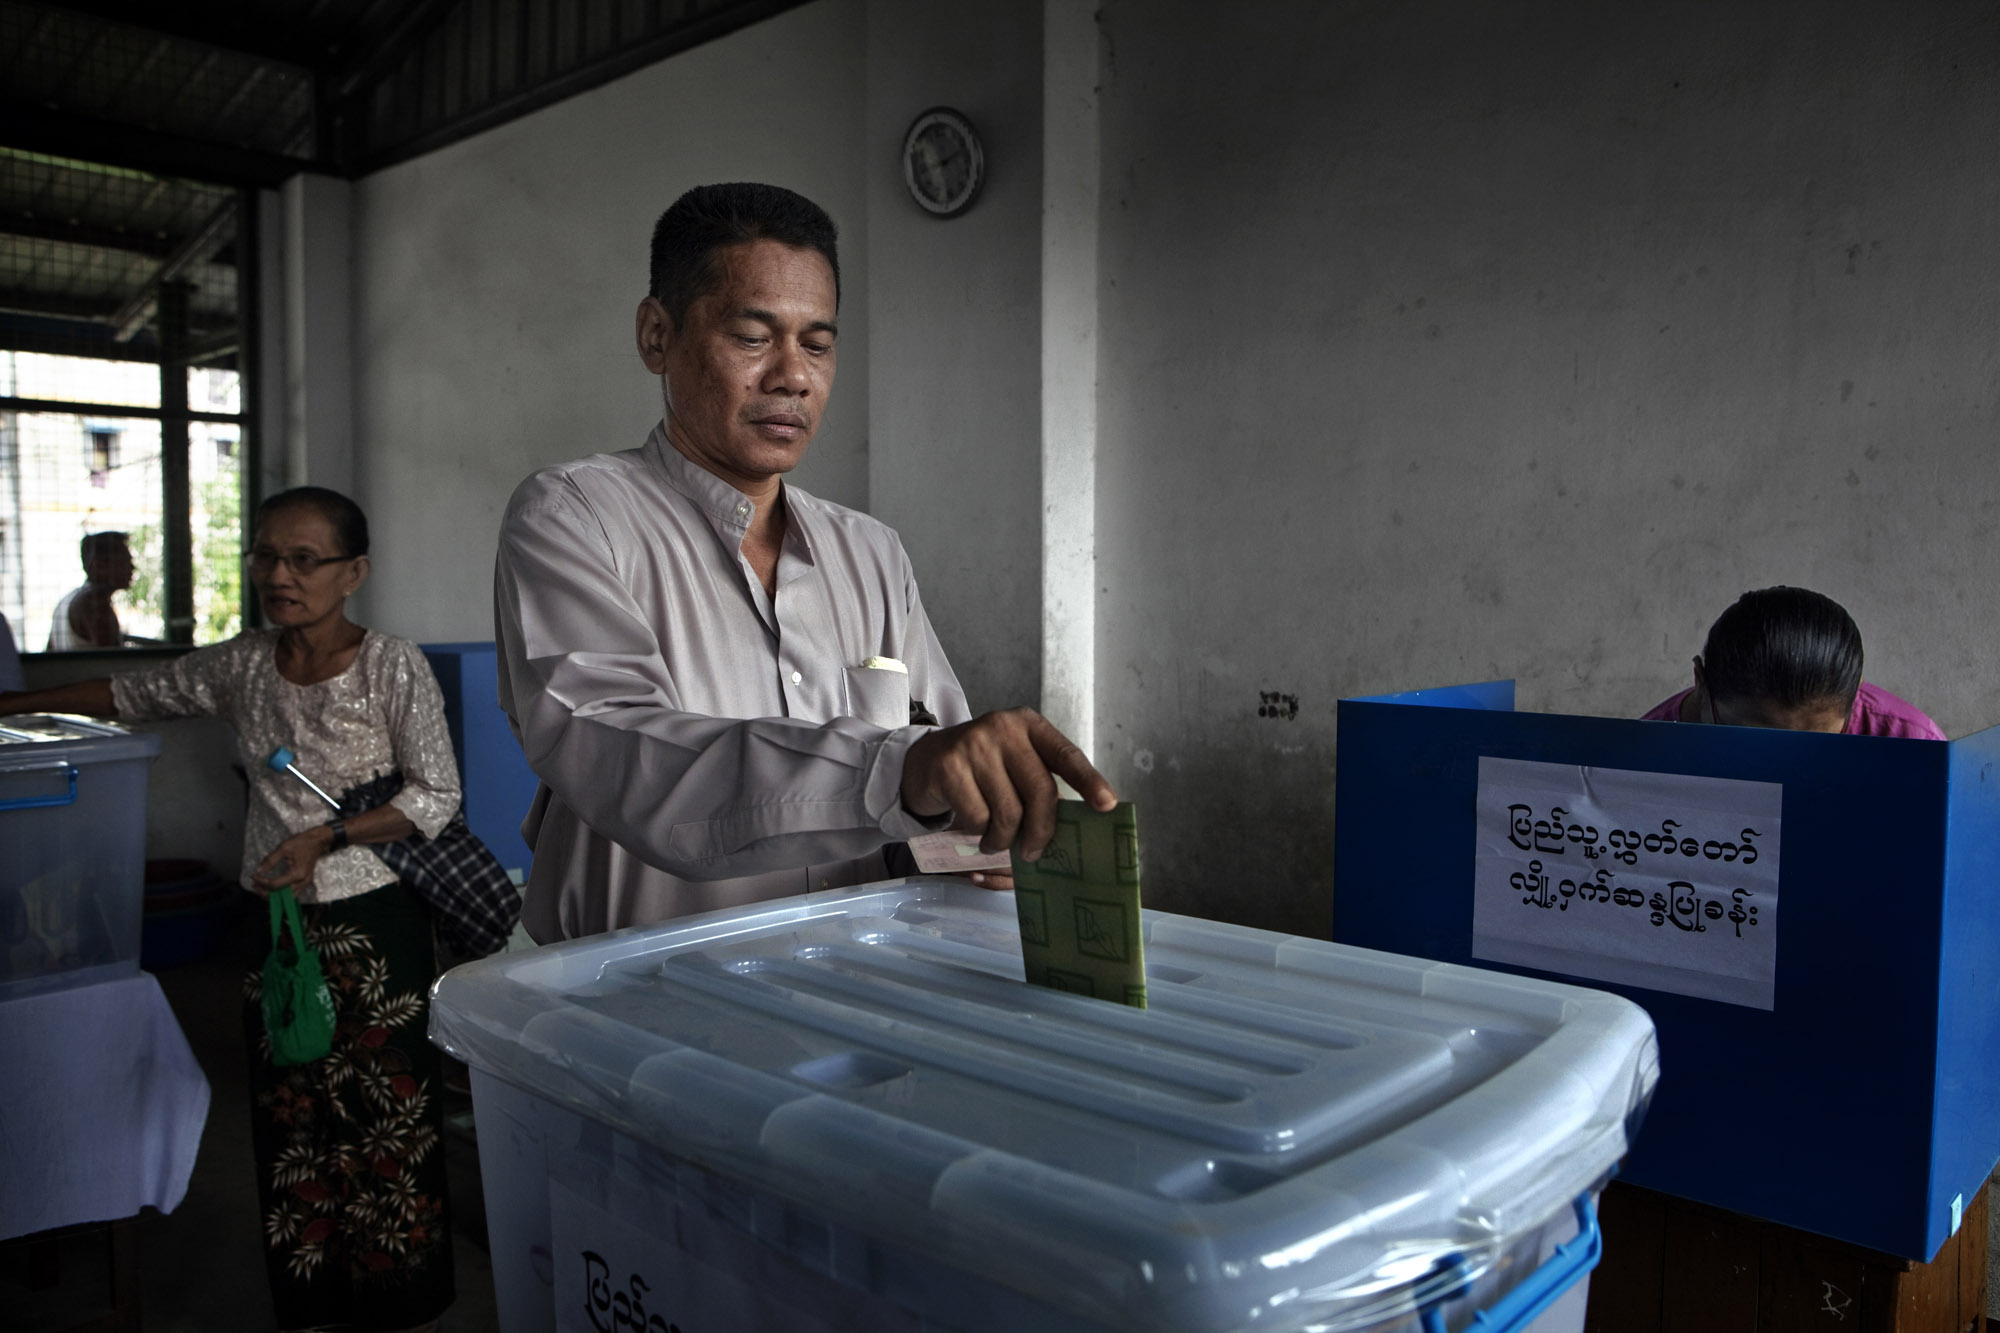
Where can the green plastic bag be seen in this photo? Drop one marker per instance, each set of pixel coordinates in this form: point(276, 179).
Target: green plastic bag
point(298, 1008)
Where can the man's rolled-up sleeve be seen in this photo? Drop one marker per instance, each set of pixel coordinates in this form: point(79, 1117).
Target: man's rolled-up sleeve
point(600, 719)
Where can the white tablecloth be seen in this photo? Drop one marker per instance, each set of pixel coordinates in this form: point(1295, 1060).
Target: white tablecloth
point(101, 1105)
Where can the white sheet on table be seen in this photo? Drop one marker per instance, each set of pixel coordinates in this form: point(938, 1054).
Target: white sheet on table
point(101, 1105)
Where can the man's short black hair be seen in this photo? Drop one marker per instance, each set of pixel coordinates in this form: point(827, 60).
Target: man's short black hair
point(1786, 645)
point(709, 217)
point(97, 546)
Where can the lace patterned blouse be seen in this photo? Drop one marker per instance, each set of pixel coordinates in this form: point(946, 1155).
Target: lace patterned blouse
point(384, 712)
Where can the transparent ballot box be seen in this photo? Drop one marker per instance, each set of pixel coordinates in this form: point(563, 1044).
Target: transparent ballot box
point(847, 1110)
point(72, 851)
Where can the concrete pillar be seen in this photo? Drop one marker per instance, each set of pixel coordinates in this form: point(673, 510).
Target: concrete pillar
point(1069, 366)
point(318, 351)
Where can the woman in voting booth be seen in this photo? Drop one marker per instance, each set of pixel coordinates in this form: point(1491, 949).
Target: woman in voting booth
point(350, 1163)
point(1791, 659)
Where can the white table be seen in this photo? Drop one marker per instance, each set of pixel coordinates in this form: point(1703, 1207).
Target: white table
point(101, 1105)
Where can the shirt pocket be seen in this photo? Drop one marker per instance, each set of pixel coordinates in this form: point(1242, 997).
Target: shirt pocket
point(878, 696)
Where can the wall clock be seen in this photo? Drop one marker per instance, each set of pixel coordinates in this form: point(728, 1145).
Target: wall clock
point(943, 162)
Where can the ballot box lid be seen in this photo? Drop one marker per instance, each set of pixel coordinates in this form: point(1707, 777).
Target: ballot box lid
point(1292, 1128)
point(33, 740)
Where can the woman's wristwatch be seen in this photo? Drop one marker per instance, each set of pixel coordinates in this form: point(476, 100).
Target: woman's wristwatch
point(339, 827)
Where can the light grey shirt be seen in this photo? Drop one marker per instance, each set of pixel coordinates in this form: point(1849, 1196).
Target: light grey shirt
point(700, 743)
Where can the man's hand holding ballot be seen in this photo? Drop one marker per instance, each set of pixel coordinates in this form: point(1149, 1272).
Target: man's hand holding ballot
point(996, 776)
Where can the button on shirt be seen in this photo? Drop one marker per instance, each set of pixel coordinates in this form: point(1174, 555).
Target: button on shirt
point(700, 743)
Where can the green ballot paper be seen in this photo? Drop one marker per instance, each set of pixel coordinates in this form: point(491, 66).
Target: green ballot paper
point(1079, 906)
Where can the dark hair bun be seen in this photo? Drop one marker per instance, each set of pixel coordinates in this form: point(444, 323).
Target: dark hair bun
point(1788, 645)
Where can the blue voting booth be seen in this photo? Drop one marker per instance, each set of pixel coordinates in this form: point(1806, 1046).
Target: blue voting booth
point(1864, 1103)
point(499, 786)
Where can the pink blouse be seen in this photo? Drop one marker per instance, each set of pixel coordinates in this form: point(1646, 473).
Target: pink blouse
point(1876, 712)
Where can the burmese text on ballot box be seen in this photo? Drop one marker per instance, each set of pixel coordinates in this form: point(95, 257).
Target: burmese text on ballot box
point(1813, 921)
point(849, 1111)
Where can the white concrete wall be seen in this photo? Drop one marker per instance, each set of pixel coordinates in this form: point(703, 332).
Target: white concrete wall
point(496, 282)
point(1443, 342)
point(955, 326)
point(1435, 343)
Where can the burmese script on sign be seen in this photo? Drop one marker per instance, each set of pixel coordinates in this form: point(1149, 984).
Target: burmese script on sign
point(1649, 879)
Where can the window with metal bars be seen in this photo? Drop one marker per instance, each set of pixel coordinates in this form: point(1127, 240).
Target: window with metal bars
point(124, 297)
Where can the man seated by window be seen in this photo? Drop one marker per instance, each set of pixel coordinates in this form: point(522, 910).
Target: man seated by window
point(85, 617)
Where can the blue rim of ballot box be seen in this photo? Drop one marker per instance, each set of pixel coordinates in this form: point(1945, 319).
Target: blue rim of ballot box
point(1293, 1132)
point(69, 772)
point(1520, 1307)
point(72, 850)
point(1864, 1103)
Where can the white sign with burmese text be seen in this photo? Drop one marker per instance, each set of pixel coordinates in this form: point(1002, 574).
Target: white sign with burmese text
point(1657, 880)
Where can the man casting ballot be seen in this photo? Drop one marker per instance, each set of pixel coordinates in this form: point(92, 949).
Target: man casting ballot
point(729, 688)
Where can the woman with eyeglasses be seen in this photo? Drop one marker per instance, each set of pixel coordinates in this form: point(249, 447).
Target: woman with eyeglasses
point(350, 1160)
point(1790, 658)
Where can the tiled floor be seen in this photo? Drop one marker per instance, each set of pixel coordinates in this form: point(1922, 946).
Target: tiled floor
point(201, 1266)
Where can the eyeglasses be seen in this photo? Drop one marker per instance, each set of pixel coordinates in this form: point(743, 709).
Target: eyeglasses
point(262, 560)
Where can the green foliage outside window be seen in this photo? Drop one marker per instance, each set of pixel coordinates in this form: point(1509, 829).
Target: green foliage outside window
point(218, 561)
point(148, 594)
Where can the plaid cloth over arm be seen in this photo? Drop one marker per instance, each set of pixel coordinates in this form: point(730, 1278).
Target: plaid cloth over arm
point(456, 873)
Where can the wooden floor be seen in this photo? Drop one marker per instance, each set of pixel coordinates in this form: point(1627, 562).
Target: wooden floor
point(1671, 1266)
